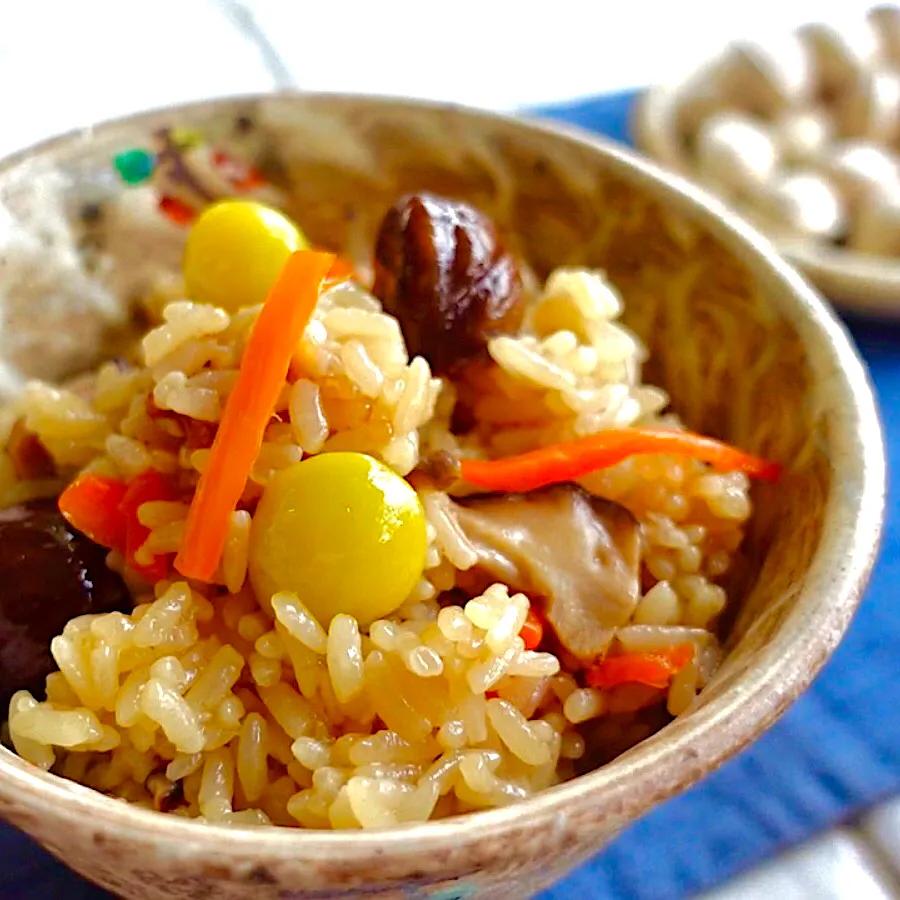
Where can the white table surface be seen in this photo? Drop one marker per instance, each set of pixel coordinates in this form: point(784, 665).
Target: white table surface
point(67, 63)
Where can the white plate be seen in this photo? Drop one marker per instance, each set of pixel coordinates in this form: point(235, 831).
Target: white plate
point(857, 282)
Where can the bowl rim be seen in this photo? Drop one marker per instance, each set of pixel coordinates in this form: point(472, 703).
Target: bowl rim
point(785, 667)
point(860, 282)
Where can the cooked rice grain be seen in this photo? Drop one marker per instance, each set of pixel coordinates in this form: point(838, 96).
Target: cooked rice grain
point(256, 714)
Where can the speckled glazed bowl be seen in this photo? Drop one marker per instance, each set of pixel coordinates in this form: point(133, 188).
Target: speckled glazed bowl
point(748, 352)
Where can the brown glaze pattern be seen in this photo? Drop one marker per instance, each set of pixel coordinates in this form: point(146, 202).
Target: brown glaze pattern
point(785, 383)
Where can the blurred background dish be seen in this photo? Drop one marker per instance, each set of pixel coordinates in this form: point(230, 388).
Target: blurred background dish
point(800, 132)
point(110, 59)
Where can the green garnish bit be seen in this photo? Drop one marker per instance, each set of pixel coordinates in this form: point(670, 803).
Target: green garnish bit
point(134, 166)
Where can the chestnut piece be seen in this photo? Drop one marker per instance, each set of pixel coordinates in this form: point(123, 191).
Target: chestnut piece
point(441, 270)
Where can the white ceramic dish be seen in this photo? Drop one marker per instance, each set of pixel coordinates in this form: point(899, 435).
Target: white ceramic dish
point(856, 282)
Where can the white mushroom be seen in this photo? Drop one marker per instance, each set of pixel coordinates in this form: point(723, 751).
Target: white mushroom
point(802, 135)
point(765, 79)
point(876, 229)
point(693, 105)
point(886, 22)
point(698, 98)
point(839, 57)
point(735, 154)
point(803, 203)
point(860, 168)
point(870, 108)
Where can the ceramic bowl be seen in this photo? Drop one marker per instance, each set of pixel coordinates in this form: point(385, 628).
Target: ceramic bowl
point(749, 353)
point(858, 282)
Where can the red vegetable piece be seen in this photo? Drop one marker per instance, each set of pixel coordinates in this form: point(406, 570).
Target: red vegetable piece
point(91, 504)
point(242, 176)
point(148, 487)
point(533, 630)
point(654, 669)
point(176, 210)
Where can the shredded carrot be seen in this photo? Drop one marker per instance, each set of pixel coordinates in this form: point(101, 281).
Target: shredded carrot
point(575, 459)
point(91, 504)
point(654, 669)
point(265, 364)
point(148, 487)
point(533, 630)
point(341, 270)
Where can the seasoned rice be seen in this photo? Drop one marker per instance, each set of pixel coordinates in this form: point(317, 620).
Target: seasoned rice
point(256, 714)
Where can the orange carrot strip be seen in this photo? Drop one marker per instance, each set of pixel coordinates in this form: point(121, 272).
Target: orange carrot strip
point(341, 270)
point(652, 669)
point(575, 459)
point(533, 630)
point(273, 342)
point(91, 505)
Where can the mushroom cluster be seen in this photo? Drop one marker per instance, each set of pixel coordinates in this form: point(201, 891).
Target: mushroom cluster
point(803, 134)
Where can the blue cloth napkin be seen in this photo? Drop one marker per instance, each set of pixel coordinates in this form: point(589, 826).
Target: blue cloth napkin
point(836, 751)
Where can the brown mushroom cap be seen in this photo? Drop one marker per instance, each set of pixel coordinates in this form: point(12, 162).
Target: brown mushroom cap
point(580, 553)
